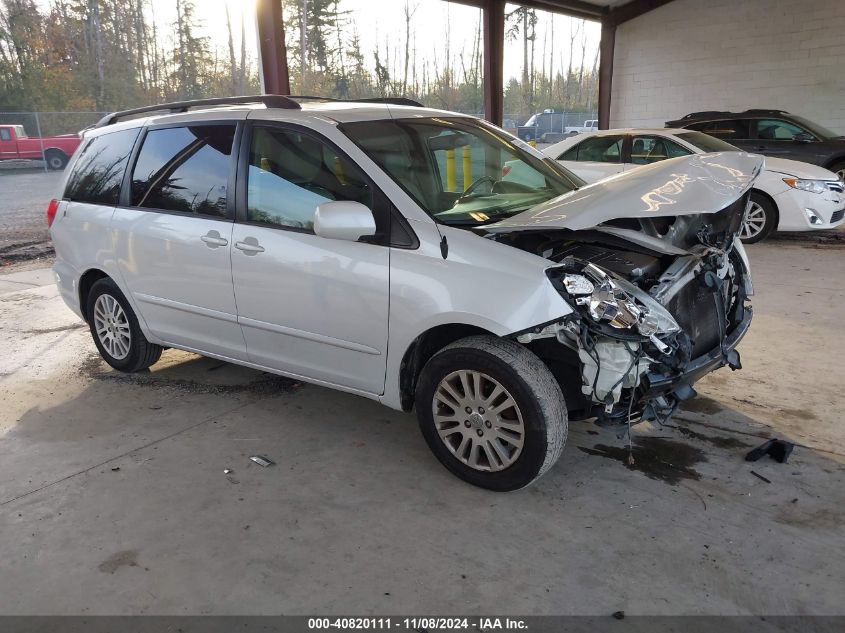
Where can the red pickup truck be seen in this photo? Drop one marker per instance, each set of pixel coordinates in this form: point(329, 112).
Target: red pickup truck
point(56, 150)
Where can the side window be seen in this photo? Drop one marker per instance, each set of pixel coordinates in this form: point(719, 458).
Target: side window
point(570, 154)
point(776, 130)
point(292, 173)
point(98, 172)
point(736, 129)
point(184, 169)
point(650, 149)
point(601, 149)
point(5, 135)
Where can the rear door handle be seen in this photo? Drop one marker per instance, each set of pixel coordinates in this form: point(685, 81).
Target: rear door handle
point(213, 239)
point(249, 246)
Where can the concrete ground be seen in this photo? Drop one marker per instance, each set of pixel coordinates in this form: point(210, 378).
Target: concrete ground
point(113, 497)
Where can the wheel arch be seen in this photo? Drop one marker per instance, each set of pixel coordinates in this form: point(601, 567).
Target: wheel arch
point(47, 150)
point(422, 348)
point(86, 281)
point(834, 160)
point(768, 197)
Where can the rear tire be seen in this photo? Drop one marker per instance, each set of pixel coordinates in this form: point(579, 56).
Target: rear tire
point(115, 329)
point(491, 412)
point(55, 159)
point(761, 220)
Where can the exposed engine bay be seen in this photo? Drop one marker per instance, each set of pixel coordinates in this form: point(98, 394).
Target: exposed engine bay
point(658, 303)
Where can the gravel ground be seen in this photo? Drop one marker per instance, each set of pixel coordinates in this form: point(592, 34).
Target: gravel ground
point(23, 204)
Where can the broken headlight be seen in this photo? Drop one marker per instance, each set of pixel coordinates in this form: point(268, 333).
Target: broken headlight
point(619, 303)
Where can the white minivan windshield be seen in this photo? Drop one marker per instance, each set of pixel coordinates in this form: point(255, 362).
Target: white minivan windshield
point(461, 170)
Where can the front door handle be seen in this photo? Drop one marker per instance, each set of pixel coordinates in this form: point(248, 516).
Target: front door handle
point(249, 246)
point(213, 239)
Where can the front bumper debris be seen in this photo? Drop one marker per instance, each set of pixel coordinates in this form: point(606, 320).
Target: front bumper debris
point(657, 384)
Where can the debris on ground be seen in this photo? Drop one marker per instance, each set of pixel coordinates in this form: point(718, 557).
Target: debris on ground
point(262, 461)
point(778, 450)
point(619, 615)
point(227, 471)
point(115, 469)
point(759, 476)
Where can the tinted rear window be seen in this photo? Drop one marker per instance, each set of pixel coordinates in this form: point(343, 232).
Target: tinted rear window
point(184, 169)
point(730, 129)
point(98, 172)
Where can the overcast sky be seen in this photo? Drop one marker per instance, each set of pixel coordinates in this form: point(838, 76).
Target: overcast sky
point(381, 21)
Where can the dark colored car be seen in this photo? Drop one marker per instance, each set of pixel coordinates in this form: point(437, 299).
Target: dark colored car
point(772, 133)
point(547, 127)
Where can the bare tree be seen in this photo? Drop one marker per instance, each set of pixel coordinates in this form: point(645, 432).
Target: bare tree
point(551, 61)
point(242, 75)
point(408, 15)
point(233, 66)
point(97, 37)
point(581, 65)
point(572, 37)
point(303, 51)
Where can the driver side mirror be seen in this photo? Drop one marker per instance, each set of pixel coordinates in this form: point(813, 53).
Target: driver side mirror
point(803, 137)
point(344, 220)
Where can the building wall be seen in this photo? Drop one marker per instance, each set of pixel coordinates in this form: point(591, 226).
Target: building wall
point(692, 55)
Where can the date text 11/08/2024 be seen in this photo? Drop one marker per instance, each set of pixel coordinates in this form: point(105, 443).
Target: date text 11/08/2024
point(415, 624)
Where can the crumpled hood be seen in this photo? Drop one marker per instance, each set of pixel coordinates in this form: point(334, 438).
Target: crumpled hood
point(689, 185)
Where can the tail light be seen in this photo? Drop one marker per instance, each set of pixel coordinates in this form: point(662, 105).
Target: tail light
point(51, 211)
point(506, 170)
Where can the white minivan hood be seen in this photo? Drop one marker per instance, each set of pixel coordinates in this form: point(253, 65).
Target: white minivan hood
point(688, 185)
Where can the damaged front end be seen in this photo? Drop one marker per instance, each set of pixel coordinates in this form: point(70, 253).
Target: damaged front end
point(658, 303)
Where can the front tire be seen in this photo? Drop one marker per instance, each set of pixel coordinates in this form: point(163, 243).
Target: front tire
point(115, 329)
point(491, 412)
point(760, 220)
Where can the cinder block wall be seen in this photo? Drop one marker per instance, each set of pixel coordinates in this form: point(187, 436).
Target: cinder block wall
point(692, 55)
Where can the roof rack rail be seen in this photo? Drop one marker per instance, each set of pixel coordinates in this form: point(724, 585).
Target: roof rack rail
point(764, 111)
point(271, 101)
point(390, 100)
point(694, 115)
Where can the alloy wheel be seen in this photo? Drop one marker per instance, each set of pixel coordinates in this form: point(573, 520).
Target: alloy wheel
point(755, 221)
point(112, 326)
point(478, 420)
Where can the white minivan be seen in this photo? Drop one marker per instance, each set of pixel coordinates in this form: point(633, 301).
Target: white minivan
point(376, 248)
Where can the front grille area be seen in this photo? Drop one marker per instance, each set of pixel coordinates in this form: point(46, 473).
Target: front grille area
point(835, 185)
point(694, 308)
point(837, 215)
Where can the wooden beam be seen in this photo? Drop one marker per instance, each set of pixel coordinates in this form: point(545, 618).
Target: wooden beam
point(273, 60)
point(631, 10)
point(606, 47)
point(494, 60)
point(573, 8)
